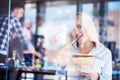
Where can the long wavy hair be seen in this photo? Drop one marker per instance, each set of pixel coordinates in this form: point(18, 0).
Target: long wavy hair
point(87, 24)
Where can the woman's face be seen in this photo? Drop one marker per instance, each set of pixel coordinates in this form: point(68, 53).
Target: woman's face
point(80, 33)
point(39, 41)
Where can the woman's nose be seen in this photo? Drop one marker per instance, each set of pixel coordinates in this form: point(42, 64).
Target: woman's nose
point(76, 33)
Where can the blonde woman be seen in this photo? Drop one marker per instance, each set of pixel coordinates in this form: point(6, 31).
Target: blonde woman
point(88, 43)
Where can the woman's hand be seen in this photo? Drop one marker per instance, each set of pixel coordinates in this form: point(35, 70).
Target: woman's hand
point(91, 76)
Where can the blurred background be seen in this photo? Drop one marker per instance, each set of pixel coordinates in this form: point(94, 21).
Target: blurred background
point(55, 19)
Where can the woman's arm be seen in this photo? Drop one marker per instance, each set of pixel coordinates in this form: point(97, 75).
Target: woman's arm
point(106, 73)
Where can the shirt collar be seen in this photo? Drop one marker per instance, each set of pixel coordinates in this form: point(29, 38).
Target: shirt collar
point(92, 51)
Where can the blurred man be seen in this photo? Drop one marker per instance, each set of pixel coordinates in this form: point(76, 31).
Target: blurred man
point(14, 28)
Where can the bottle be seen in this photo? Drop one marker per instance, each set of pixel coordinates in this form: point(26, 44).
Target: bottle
point(12, 60)
point(14, 55)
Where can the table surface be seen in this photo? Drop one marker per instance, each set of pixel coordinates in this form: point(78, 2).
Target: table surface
point(51, 72)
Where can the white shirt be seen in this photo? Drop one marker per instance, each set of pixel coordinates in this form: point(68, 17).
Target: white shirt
point(102, 63)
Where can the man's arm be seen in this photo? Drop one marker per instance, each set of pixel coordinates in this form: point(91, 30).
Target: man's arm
point(18, 30)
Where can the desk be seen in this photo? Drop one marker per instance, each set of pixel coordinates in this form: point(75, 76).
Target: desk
point(18, 72)
point(35, 72)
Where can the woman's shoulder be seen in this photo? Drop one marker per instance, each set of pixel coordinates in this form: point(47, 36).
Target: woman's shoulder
point(102, 51)
point(105, 49)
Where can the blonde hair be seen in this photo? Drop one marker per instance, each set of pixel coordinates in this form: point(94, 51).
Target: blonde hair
point(88, 25)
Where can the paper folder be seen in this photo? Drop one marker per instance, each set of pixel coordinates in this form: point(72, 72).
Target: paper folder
point(80, 63)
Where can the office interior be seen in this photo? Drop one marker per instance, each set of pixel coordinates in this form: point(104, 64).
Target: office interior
point(55, 18)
